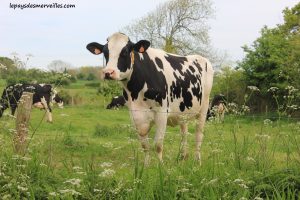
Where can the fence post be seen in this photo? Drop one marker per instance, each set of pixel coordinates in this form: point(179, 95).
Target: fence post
point(22, 122)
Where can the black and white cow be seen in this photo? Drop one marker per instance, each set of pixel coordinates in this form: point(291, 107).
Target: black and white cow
point(43, 94)
point(116, 102)
point(218, 108)
point(160, 88)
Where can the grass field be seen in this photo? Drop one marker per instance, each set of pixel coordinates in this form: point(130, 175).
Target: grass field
point(89, 152)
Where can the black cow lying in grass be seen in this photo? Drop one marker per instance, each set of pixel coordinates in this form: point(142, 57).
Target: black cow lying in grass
point(217, 108)
point(116, 102)
point(43, 94)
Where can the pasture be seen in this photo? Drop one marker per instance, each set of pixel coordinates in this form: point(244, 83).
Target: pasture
point(89, 152)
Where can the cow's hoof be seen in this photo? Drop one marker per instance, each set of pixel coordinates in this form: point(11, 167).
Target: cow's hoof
point(184, 156)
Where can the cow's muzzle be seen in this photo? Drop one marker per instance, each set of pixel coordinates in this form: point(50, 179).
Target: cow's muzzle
point(108, 75)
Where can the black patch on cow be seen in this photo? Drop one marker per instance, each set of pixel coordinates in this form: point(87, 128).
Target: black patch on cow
point(189, 80)
point(182, 106)
point(145, 72)
point(116, 102)
point(159, 63)
point(125, 95)
point(192, 69)
point(176, 62)
point(106, 53)
point(124, 60)
point(206, 66)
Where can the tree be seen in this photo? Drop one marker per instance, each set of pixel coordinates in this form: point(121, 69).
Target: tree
point(274, 58)
point(59, 66)
point(177, 26)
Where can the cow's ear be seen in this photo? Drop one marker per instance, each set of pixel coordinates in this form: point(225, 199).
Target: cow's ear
point(95, 48)
point(141, 46)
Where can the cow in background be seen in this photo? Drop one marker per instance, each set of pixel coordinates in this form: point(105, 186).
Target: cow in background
point(218, 108)
point(159, 88)
point(43, 95)
point(116, 102)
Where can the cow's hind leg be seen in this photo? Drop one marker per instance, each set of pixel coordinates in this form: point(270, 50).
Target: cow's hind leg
point(13, 109)
point(47, 108)
point(183, 144)
point(200, 128)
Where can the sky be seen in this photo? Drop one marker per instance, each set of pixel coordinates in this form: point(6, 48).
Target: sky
point(62, 33)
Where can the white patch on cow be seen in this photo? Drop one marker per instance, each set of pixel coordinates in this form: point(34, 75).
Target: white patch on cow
point(141, 56)
point(42, 84)
point(38, 105)
point(116, 42)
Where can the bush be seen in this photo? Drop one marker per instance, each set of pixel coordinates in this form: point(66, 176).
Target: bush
point(109, 88)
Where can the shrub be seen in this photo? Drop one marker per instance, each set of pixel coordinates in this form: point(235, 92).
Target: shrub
point(109, 88)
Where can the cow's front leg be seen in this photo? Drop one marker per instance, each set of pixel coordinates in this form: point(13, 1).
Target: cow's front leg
point(142, 126)
point(48, 109)
point(183, 145)
point(161, 124)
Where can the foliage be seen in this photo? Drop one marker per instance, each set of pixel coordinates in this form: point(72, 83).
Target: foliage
point(274, 59)
point(37, 76)
point(225, 82)
point(109, 88)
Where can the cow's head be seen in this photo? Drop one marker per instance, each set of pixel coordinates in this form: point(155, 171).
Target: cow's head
point(55, 98)
point(119, 55)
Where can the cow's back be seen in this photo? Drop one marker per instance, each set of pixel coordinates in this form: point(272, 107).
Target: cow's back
point(189, 80)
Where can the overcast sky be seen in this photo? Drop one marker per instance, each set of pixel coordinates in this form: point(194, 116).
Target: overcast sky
point(62, 34)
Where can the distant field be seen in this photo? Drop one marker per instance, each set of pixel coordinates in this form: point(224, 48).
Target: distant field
point(89, 152)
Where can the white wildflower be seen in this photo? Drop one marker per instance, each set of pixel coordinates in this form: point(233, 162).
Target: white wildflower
point(216, 151)
point(23, 189)
point(43, 165)
point(25, 158)
point(107, 173)
point(273, 89)
point(54, 194)
point(262, 136)
point(3, 66)
point(243, 185)
point(238, 180)
point(108, 145)
point(106, 164)
point(267, 122)
point(213, 181)
point(97, 190)
point(81, 173)
point(74, 181)
point(258, 198)
point(7, 196)
point(253, 88)
point(183, 190)
point(250, 159)
point(76, 168)
point(137, 181)
point(70, 191)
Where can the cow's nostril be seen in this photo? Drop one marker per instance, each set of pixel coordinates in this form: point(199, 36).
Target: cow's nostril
point(107, 75)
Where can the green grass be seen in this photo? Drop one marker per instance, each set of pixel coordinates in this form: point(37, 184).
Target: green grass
point(89, 152)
